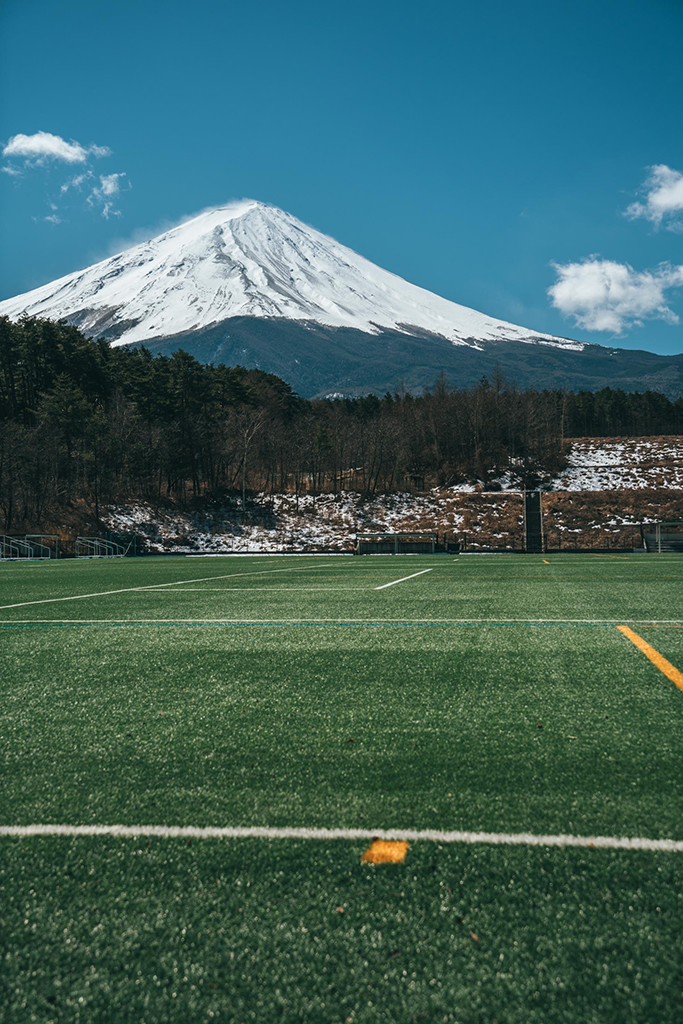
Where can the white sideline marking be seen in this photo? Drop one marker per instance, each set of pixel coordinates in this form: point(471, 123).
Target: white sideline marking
point(155, 586)
point(403, 579)
point(250, 590)
point(405, 835)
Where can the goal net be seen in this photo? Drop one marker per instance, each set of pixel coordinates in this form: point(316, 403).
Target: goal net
point(395, 543)
point(45, 545)
point(98, 547)
point(662, 537)
point(30, 546)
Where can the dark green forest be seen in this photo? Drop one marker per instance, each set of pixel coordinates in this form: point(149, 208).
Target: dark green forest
point(80, 420)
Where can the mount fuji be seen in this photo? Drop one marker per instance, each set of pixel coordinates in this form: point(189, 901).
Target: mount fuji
point(248, 283)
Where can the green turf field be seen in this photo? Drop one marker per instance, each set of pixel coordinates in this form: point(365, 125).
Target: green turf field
point(482, 694)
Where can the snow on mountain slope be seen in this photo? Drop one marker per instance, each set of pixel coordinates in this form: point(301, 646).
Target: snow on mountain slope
point(248, 259)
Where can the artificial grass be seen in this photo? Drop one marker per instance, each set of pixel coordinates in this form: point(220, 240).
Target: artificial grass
point(570, 586)
point(503, 728)
point(500, 727)
point(162, 931)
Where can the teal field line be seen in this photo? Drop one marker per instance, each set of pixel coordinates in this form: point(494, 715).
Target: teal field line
point(556, 623)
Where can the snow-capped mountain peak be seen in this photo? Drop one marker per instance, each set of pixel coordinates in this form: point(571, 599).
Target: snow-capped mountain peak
point(248, 259)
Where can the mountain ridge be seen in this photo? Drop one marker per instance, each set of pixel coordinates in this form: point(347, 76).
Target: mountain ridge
point(248, 283)
point(339, 361)
point(251, 259)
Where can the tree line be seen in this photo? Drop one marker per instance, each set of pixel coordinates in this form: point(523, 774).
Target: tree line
point(80, 420)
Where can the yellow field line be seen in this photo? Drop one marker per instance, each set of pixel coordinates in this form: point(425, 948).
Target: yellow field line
point(669, 670)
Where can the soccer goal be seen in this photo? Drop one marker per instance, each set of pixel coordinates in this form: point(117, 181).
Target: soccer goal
point(663, 537)
point(45, 545)
point(23, 548)
point(14, 548)
point(395, 543)
point(98, 547)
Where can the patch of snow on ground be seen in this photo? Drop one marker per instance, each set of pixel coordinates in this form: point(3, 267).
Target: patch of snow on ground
point(325, 522)
point(607, 464)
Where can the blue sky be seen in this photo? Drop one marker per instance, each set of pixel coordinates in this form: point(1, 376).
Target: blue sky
point(484, 151)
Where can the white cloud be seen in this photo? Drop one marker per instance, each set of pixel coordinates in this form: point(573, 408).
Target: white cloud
point(75, 182)
point(52, 218)
point(103, 195)
point(109, 183)
point(663, 198)
point(602, 295)
point(36, 149)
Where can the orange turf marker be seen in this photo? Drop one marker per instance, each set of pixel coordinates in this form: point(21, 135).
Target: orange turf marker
point(669, 670)
point(381, 851)
point(546, 561)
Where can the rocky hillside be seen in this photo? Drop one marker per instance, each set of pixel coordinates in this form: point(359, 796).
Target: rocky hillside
point(610, 487)
point(623, 463)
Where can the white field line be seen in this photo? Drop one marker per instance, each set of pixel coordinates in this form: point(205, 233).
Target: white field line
point(155, 586)
point(404, 835)
point(268, 554)
point(403, 579)
point(249, 590)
